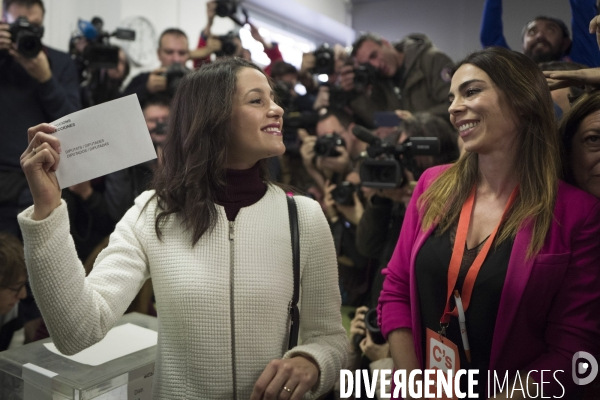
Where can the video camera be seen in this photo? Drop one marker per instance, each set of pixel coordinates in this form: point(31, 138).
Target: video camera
point(99, 53)
point(27, 37)
point(372, 327)
point(384, 167)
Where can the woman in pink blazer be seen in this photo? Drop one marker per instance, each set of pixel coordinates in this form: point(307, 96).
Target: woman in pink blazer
point(499, 233)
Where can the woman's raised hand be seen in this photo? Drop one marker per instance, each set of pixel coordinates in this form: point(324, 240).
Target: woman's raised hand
point(39, 162)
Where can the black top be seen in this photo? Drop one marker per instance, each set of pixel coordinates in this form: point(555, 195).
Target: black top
point(242, 189)
point(431, 270)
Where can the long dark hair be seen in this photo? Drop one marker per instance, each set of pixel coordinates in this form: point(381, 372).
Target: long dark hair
point(195, 151)
point(527, 96)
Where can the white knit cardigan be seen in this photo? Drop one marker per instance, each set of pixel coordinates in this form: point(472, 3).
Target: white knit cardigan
point(221, 321)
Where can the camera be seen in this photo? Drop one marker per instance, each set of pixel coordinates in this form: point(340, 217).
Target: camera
point(343, 194)
point(325, 145)
point(226, 8)
point(160, 128)
point(372, 327)
point(324, 60)
point(228, 45)
point(364, 75)
point(99, 53)
point(338, 98)
point(27, 37)
point(384, 167)
point(174, 74)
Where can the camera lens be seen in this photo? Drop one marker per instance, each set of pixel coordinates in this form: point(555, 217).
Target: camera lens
point(29, 45)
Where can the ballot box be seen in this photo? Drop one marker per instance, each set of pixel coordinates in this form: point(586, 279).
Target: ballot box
point(120, 367)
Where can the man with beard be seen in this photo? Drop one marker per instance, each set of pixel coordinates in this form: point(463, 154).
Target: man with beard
point(546, 38)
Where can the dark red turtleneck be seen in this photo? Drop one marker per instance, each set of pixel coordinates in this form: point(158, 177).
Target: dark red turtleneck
point(242, 189)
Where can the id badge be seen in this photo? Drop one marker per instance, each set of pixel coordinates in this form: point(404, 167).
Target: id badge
point(443, 355)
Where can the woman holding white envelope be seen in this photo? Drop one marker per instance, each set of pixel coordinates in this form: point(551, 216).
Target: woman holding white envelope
point(215, 237)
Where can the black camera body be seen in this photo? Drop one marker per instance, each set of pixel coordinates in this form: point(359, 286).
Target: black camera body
point(343, 194)
point(226, 8)
point(325, 145)
point(160, 128)
point(99, 53)
point(384, 169)
point(228, 46)
point(27, 37)
point(364, 75)
point(373, 328)
point(324, 60)
point(174, 74)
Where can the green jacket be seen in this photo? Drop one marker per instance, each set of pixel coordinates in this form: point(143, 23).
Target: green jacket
point(424, 84)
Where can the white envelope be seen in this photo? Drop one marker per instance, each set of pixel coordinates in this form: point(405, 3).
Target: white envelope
point(102, 139)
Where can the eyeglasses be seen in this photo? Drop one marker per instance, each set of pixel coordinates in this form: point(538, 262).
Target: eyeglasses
point(17, 290)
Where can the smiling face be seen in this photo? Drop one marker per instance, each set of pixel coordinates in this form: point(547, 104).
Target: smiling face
point(381, 56)
point(585, 154)
point(543, 41)
point(256, 121)
point(479, 111)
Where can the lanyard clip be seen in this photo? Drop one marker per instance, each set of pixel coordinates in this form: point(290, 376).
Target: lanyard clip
point(442, 330)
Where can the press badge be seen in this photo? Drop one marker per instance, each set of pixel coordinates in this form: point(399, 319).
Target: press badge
point(441, 354)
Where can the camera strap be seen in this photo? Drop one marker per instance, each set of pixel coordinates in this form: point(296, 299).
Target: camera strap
point(295, 233)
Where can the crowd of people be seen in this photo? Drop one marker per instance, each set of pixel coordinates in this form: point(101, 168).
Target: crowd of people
point(497, 219)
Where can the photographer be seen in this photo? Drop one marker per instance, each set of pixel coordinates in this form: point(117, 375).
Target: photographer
point(412, 75)
point(38, 84)
point(365, 353)
point(173, 52)
point(105, 83)
point(329, 61)
point(334, 151)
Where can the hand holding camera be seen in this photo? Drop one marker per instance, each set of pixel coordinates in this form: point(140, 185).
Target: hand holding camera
point(5, 42)
point(334, 158)
point(23, 42)
point(344, 199)
point(157, 81)
point(366, 335)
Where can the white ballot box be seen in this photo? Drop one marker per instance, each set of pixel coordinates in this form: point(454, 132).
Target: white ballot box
point(113, 369)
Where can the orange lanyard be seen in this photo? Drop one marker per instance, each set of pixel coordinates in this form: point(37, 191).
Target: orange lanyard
point(458, 251)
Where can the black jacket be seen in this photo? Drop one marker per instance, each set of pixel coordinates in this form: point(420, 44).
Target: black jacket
point(24, 102)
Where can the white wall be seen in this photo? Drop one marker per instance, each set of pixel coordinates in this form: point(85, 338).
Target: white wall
point(188, 15)
point(452, 25)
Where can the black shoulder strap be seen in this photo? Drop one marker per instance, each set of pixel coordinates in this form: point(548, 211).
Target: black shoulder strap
point(294, 313)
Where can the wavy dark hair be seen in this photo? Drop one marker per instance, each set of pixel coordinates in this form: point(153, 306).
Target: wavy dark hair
point(195, 151)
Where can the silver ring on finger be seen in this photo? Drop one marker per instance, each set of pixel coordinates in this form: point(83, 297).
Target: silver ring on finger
point(34, 151)
point(287, 389)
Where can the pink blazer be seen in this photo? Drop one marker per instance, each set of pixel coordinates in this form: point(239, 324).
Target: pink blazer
point(550, 304)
